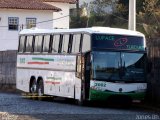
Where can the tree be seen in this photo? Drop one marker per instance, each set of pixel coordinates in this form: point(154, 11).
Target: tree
point(150, 17)
point(101, 7)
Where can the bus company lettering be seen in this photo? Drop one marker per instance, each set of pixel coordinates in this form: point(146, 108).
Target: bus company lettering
point(104, 37)
point(22, 60)
point(135, 47)
point(54, 78)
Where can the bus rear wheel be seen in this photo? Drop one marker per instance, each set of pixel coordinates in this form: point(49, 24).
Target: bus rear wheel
point(40, 90)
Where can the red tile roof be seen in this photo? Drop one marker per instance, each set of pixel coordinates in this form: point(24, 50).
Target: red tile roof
point(27, 4)
point(63, 1)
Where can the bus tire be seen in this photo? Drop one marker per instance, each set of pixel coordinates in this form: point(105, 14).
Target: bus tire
point(40, 90)
point(81, 101)
point(33, 87)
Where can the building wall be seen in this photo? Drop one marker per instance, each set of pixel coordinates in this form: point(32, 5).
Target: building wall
point(8, 38)
point(64, 15)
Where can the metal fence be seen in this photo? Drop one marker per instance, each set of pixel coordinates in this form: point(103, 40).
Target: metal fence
point(8, 69)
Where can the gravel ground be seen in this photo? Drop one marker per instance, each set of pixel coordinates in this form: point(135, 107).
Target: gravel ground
point(16, 107)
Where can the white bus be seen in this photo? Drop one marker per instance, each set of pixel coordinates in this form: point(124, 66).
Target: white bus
point(96, 63)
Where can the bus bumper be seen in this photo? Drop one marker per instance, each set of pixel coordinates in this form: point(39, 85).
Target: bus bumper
point(105, 95)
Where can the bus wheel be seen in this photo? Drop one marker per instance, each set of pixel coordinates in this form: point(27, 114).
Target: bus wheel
point(33, 87)
point(40, 90)
point(81, 102)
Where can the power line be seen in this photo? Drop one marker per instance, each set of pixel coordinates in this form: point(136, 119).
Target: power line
point(52, 19)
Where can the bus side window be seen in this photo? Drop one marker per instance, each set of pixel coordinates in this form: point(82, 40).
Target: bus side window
point(76, 43)
point(65, 44)
point(46, 42)
point(38, 43)
point(29, 42)
point(86, 44)
point(21, 43)
point(55, 45)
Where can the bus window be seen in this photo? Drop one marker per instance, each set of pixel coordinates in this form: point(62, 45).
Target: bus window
point(29, 44)
point(65, 43)
point(55, 46)
point(86, 46)
point(76, 43)
point(21, 43)
point(46, 43)
point(38, 43)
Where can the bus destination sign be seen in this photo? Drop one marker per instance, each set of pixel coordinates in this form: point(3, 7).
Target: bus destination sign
point(103, 41)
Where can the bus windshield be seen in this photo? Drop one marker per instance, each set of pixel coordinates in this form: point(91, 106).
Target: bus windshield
point(118, 66)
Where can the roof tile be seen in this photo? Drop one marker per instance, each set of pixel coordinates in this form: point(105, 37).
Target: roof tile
point(63, 1)
point(27, 4)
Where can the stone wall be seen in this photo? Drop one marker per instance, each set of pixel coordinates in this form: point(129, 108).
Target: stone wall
point(8, 61)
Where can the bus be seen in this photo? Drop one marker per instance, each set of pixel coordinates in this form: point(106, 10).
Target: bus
point(85, 64)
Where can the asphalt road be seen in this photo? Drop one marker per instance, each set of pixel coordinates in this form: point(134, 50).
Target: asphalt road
point(16, 107)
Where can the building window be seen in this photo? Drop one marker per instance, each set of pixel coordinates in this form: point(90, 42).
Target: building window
point(30, 23)
point(13, 23)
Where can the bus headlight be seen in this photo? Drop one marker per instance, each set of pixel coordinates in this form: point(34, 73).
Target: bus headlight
point(141, 88)
point(140, 91)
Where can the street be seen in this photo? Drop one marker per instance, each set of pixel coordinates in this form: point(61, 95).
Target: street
point(16, 107)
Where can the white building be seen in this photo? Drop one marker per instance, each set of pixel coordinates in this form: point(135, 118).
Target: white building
point(20, 14)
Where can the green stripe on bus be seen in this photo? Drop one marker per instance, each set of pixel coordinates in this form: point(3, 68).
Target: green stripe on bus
point(53, 78)
point(42, 59)
point(104, 95)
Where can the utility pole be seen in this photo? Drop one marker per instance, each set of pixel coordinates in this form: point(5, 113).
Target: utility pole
point(77, 9)
point(132, 15)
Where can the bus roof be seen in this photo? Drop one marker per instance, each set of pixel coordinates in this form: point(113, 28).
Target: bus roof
point(98, 30)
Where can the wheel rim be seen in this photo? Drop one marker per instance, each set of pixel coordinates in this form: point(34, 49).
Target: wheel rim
point(40, 92)
point(33, 87)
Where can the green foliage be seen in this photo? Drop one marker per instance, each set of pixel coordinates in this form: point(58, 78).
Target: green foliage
point(81, 22)
point(148, 15)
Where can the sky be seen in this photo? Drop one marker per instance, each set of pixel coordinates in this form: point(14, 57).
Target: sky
point(82, 1)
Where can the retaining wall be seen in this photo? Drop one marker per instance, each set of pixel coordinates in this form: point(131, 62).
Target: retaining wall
point(8, 61)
